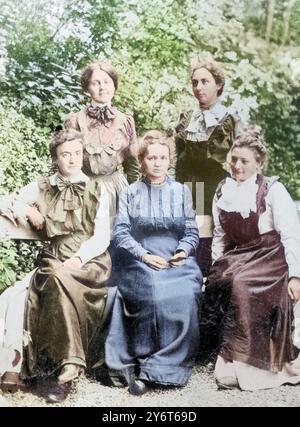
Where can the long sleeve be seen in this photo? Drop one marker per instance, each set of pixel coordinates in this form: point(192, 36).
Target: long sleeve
point(220, 239)
point(22, 199)
point(130, 164)
point(100, 240)
point(122, 229)
point(131, 168)
point(189, 242)
point(71, 122)
point(286, 223)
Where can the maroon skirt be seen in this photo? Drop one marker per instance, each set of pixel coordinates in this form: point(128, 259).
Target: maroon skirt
point(247, 305)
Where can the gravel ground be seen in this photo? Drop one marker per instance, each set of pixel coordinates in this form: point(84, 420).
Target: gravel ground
point(200, 392)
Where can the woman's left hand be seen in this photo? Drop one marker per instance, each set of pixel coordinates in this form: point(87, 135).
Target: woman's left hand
point(178, 259)
point(294, 288)
point(73, 262)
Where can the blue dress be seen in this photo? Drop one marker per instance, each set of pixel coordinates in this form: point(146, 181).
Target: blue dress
point(155, 327)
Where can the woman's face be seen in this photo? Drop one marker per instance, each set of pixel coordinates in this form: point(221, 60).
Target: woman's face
point(101, 87)
point(156, 162)
point(243, 163)
point(69, 156)
point(205, 87)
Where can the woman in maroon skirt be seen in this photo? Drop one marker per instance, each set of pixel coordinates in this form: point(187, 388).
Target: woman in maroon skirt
point(255, 275)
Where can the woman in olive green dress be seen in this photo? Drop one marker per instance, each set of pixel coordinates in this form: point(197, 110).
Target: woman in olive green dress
point(67, 302)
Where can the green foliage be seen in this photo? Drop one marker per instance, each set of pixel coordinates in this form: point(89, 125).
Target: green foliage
point(8, 264)
point(23, 150)
point(24, 157)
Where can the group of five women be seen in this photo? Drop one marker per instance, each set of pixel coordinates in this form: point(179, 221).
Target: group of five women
point(120, 279)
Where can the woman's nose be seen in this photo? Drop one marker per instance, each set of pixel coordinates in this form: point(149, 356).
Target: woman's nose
point(199, 85)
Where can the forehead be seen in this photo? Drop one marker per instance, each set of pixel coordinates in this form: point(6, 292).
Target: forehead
point(70, 146)
point(244, 152)
point(202, 73)
point(157, 150)
point(98, 74)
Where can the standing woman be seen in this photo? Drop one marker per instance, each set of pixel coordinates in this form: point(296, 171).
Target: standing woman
point(203, 138)
point(154, 332)
point(255, 275)
point(109, 133)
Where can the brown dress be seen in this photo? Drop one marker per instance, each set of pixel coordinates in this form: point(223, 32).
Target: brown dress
point(247, 305)
point(66, 308)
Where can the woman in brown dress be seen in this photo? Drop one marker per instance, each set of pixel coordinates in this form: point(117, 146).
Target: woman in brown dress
point(255, 275)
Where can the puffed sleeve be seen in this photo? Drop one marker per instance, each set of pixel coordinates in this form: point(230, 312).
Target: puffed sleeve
point(121, 234)
point(131, 166)
point(71, 122)
point(130, 129)
point(286, 223)
point(190, 240)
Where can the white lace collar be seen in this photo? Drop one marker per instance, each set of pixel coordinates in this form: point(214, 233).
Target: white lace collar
point(239, 196)
point(211, 117)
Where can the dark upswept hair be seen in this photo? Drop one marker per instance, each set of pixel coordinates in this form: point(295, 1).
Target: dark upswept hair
point(216, 71)
point(252, 139)
point(154, 137)
point(62, 136)
point(98, 65)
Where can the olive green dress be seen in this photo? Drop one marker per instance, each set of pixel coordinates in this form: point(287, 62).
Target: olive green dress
point(201, 153)
point(203, 139)
point(66, 308)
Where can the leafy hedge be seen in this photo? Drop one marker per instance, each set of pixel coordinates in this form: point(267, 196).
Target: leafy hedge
point(24, 156)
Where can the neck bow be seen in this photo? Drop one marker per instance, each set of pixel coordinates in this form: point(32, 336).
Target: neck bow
point(102, 114)
point(70, 193)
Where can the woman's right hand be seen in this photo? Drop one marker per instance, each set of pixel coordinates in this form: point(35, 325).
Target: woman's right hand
point(35, 218)
point(156, 262)
point(294, 288)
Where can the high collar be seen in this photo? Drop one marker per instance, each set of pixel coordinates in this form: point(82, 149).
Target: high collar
point(204, 119)
point(167, 180)
point(239, 196)
point(248, 182)
point(100, 104)
point(80, 177)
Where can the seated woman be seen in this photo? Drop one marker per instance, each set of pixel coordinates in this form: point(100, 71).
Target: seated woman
point(154, 333)
point(256, 273)
point(67, 301)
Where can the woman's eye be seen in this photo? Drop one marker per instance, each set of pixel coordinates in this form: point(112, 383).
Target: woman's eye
point(194, 82)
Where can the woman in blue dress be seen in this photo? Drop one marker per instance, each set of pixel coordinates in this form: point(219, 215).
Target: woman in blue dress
point(154, 332)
